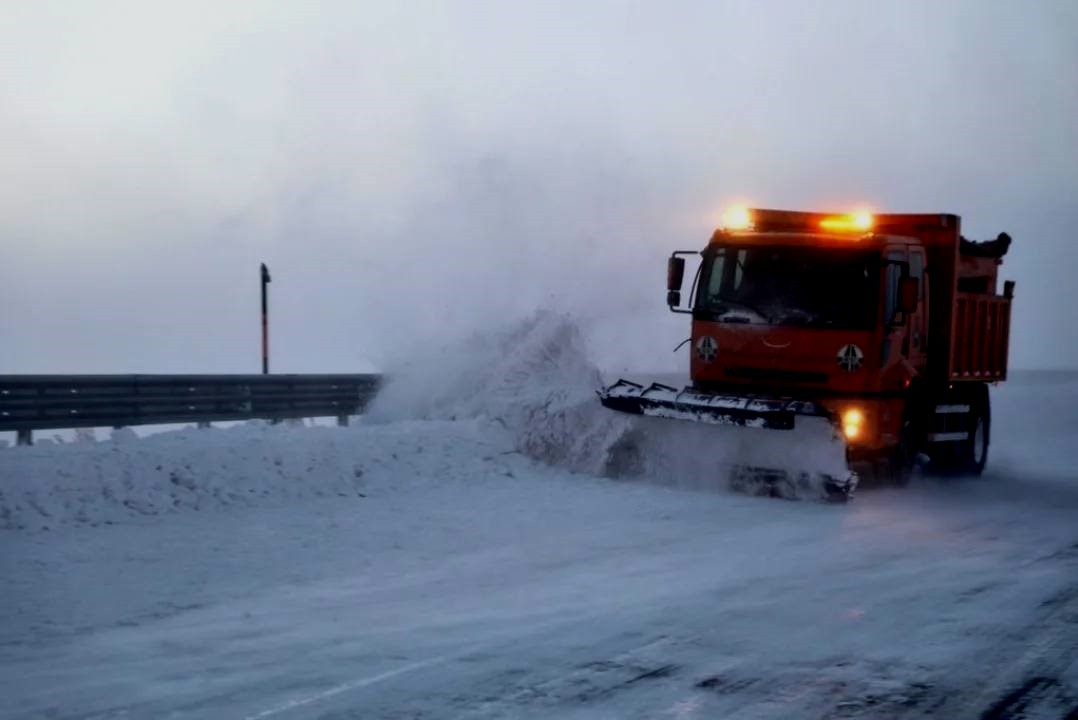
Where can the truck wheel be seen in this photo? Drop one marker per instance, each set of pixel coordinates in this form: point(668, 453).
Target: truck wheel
point(973, 452)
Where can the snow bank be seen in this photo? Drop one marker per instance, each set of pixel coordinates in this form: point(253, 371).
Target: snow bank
point(197, 469)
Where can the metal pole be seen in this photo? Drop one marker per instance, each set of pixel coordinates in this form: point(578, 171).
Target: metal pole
point(265, 321)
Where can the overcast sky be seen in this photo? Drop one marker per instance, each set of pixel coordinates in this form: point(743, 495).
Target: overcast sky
point(416, 171)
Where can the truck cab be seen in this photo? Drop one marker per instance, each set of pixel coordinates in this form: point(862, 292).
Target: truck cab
point(890, 323)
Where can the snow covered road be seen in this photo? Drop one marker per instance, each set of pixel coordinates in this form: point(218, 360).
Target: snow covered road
point(542, 596)
point(437, 573)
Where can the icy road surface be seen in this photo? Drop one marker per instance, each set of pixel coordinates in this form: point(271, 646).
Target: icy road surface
point(427, 569)
point(456, 578)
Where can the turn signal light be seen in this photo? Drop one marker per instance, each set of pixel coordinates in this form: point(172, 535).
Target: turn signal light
point(853, 421)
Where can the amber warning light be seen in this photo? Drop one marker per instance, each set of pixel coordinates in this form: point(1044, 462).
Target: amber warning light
point(740, 217)
point(737, 218)
point(858, 222)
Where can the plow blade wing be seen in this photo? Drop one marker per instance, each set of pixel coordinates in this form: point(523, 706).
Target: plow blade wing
point(658, 400)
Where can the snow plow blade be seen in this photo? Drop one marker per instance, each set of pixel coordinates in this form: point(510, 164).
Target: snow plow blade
point(753, 475)
point(658, 400)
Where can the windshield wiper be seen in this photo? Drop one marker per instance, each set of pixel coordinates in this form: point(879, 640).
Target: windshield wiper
point(796, 316)
point(722, 302)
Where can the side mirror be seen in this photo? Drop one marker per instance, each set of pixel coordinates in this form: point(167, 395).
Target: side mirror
point(675, 273)
point(909, 290)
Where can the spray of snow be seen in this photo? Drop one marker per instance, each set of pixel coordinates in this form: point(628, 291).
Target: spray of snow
point(535, 379)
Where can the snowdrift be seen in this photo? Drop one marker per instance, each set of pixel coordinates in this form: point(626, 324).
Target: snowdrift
point(119, 480)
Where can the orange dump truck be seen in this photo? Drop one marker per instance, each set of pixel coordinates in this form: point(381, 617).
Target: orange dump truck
point(891, 326)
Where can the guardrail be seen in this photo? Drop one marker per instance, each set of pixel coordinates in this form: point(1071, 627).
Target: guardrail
point(40, 402)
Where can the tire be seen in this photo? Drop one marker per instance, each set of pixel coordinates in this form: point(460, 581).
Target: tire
point(969, 456)
point(973, 453)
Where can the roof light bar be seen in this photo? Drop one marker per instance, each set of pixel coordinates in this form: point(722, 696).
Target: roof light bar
point(859, 221)
point(737, 218)
point(740, 217)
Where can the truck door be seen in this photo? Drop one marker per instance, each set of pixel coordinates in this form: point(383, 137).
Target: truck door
point(917, 336)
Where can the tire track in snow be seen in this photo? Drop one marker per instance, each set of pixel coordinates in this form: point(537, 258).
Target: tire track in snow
point(353, 685)
point(1037, 679)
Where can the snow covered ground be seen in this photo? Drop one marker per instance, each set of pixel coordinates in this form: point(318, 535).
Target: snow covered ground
point(459, 555)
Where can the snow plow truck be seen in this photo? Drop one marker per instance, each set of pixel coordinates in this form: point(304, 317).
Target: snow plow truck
point(890, 327)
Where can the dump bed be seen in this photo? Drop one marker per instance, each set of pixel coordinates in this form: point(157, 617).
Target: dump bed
point(982, 327)
point(969, 318)
point(981, 324)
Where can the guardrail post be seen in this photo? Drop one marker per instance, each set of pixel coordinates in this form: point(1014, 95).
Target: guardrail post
point(265, 320)
point(342, 421)
point(24, 437)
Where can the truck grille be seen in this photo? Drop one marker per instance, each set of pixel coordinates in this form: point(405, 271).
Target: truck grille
point(777, 376)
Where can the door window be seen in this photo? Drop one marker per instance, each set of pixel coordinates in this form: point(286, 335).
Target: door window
point(894, 273)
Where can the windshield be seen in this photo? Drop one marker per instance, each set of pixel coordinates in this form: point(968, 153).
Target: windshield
point(788, 285)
